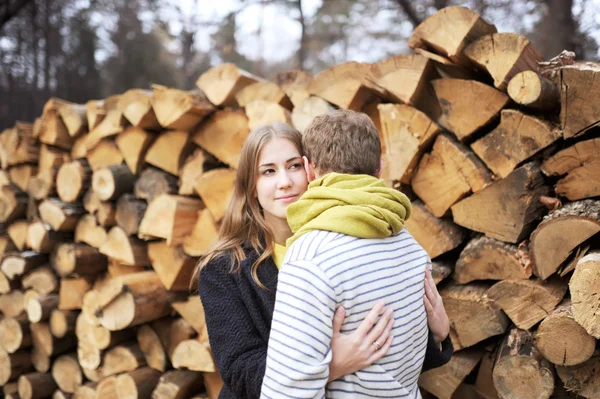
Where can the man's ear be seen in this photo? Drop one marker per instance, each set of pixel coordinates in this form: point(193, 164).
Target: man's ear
point(309, 168)
point(378, 173)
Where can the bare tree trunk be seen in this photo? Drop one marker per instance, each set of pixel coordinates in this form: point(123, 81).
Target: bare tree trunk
point(36, 58)
point(47, 11)
point(560, 29)
point(303, 38)
point(9, 9)
point(409, 11)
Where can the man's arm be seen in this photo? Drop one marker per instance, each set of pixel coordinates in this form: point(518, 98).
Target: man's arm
point(299, 344)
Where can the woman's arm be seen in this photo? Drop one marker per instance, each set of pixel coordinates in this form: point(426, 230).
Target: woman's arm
point(439, 346)
point(238, 349)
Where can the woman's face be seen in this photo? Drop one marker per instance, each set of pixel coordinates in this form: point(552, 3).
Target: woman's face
point(281, 177)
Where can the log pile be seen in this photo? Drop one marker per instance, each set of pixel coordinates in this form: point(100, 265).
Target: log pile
point(105, 208)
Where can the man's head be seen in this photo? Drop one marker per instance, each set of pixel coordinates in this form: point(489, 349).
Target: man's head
point(342, 141)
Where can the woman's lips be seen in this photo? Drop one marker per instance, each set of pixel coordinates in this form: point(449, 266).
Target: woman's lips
point(287, 198)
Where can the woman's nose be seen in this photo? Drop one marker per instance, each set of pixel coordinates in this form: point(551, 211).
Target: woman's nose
point(284, 180)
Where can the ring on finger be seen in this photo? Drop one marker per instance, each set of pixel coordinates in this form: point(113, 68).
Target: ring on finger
point(376, 345)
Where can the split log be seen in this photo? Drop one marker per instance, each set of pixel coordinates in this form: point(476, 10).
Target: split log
point(473, 316)
point(445, 380)
point(527, 302)
point(12, 304)
point(41, 238)
point(406, 133)
point(534, 91)
point(67, 373)
point(581, 163)
point(520, 370)
point(106, 214)
point(51, 157)
point(138, 383)
point(133, 144)
point(102, 338)
point(62, 322)
point(7, 285)
point(42, 280)
point(485, 258)
point(122, 359)
point(88, 231)
point(110, 182)
point(79, 259)
point(305, 111)
point(204, 235)
point(263, 90)
point(346, 85)
point(172, 266)
point(43, 185)
point(72, 180)
point(179, 330)
point(223, 135)
point(97, 376)
point(89, 357)
point(449, 31)
point(13, 365)
point(72, 290)
point(79, 150)
point(580, 110)
point(295, 84)
point(484, 384)
point(440, 270)
point(561, 340)
point(153, 182)
point(4, 176)
point(116, 268)
point(6, 246)
point(145, 300)
point(40, 360)
point(467, 105)
point(436, 236)
point(507, 209)
point(17, 231)
point(194, 166)
point(11, 390)
point(583, 379)
point(169, 151)
point(96, 110)
point(39, 309)
point(49, 344)
point(19, 264)
point(517, 138)
point(221, 83)
point(261, 113)
point(178, 384)
point(15, 333)
point(58, 394)
point(18, 146)
point(112, 124)
point(192, 311)
point(448, 174)
point(54, 132)
point(36, 386)
point(153, 347)
point(584, 293)
point(74, 118)
point(215, 187)
point(86, 391)
point(503, 55)
point(104, 154)
point(13, 203)
point(137, 108)
point(20, 175)
point(180, 110)
point(61, 216)
point(170, 217)
point(107, 388)
point(130, 212)
point(560, 233)
point(195, 355)
point(120, 246)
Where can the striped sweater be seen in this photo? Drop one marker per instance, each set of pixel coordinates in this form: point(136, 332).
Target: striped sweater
point(324, 270)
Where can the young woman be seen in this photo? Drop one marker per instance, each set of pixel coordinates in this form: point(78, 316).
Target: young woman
point(238, 277)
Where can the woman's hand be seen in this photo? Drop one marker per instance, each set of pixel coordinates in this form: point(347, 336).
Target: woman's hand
point(367, 344)
point(437, 319)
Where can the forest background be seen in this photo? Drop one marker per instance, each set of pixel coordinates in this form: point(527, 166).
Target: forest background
point(79, 50)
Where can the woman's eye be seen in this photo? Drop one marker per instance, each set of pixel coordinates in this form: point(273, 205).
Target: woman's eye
point(267, 172)
point(296, 166)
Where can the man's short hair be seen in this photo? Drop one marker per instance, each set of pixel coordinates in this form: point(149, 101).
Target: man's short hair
point(343, 141)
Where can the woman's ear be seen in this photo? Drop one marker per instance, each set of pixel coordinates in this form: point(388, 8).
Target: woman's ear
point(378, 173)
point(309, 168)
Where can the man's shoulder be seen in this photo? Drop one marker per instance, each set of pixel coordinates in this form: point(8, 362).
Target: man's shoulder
point(311, 244)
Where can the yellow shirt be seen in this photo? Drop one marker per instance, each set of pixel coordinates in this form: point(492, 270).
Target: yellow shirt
point(278, 254)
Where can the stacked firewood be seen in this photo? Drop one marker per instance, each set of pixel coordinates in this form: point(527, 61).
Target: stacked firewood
point(105, 208)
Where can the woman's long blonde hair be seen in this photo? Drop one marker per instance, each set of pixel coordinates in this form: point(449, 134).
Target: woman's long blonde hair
point(243, 222)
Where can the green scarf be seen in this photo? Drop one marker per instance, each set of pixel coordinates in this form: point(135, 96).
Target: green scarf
point(357, 205)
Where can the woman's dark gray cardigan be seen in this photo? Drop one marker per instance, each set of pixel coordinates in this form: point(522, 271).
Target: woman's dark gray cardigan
point(238, 317)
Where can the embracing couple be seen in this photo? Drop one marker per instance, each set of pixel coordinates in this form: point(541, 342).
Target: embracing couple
point(315, 288)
